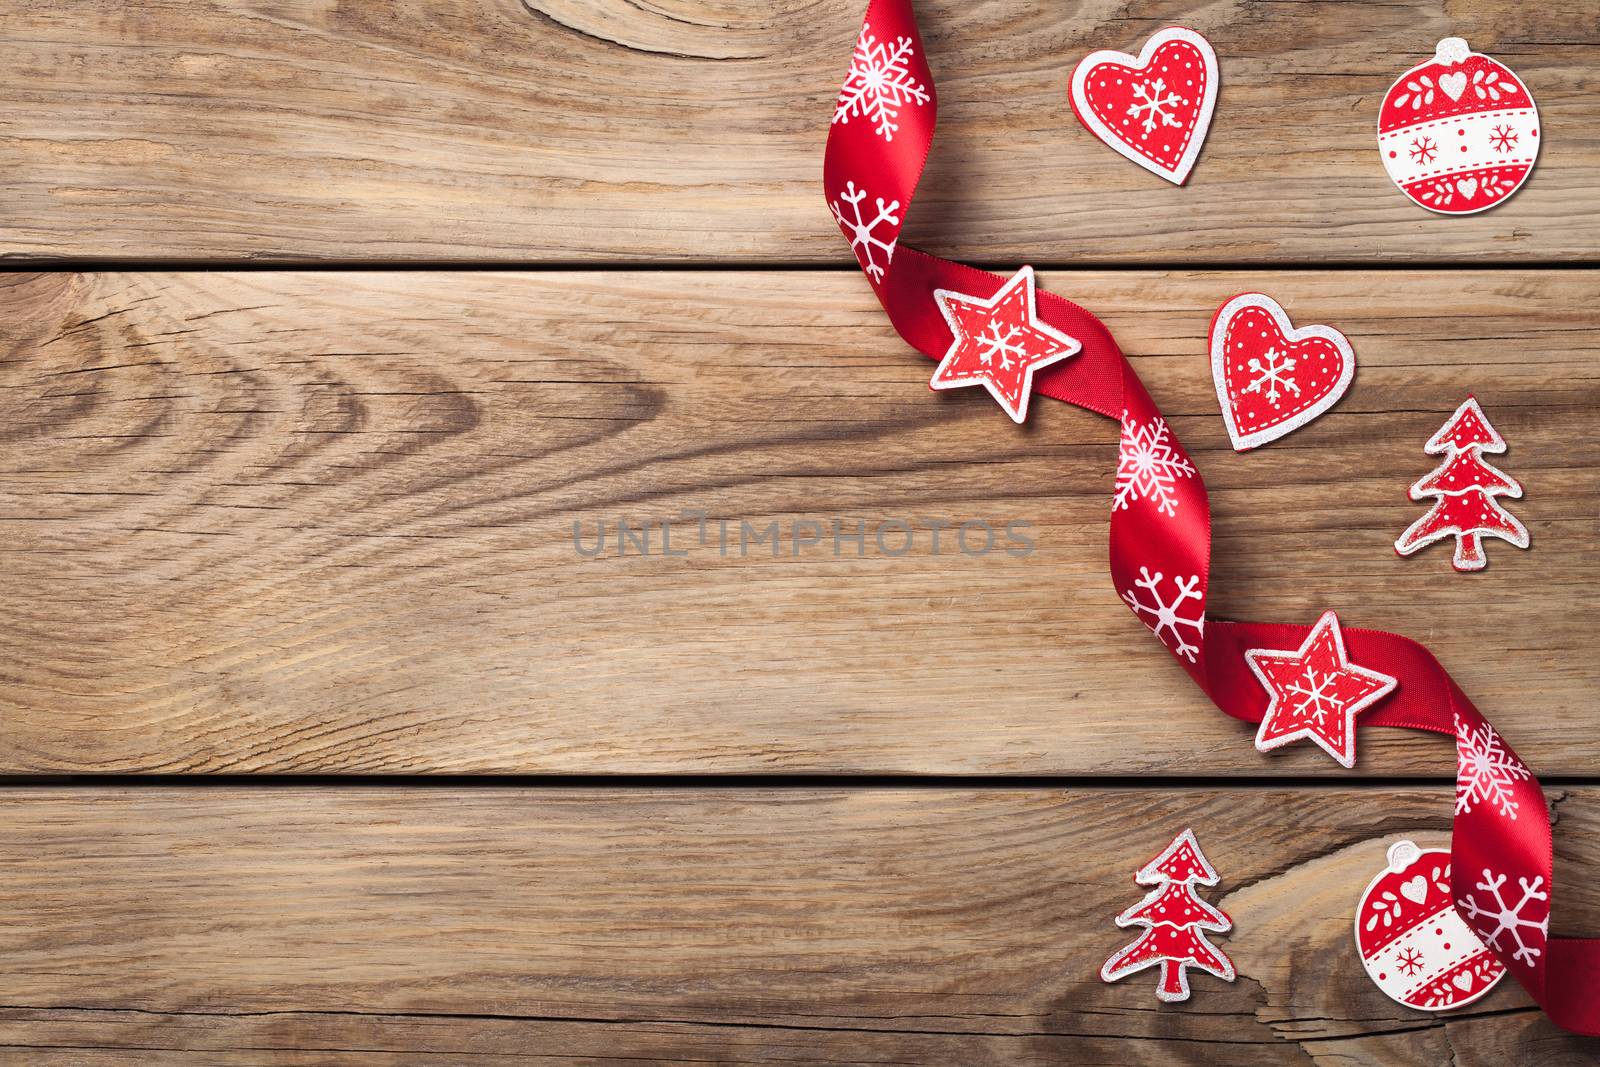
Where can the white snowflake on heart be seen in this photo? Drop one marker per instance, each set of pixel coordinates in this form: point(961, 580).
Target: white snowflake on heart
point(1272, 376)
point(1154, 104)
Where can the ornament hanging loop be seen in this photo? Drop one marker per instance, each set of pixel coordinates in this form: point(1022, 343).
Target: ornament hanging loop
point(1452, 50)
point(1403, 854)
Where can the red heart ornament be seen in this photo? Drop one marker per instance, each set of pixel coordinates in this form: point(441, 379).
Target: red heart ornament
point(1272, 378)
point(1155, 109)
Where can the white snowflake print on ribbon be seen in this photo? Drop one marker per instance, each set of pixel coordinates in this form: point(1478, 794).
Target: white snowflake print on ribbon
point(1527, 933)
point(1271, 370)
point(863, 232)
point(879, 84)
point(1486, 771)
point(1165, 616)
point(1149, 465)
point(1155, 104)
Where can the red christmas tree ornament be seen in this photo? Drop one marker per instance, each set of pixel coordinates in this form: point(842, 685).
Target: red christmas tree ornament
point(1413, 942)
point(998, 343)
point(1175, 919)
point(1459, 133)
point(1271, 378)
point(1316, 692)
point(1465, 485)
point(1154, 109)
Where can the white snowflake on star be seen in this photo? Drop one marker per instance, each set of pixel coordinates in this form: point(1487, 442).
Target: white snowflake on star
point(879, 84)
point(1165, 615)
point(1486, 770)
point(1272, 374)
point(1316, 700)
point(998, 342)
point(863, 232)
point(1153, 103)
point(1149, 465)
point(1509, 919)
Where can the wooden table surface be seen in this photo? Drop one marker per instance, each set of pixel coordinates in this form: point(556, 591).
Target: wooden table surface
point(322, 742)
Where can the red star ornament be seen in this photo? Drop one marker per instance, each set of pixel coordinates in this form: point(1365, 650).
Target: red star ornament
point(999, 343)
point(1316, 692)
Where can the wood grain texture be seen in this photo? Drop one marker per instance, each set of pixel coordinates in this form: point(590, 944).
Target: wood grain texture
point(761, 926)
point(299, 522)
point(692, 130)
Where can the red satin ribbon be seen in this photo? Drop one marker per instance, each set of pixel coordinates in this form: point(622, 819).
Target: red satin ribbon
point(1564, 974)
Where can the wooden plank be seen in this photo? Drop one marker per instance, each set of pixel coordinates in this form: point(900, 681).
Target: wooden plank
point(309, 522)
point(567, 130)
point(761, 926)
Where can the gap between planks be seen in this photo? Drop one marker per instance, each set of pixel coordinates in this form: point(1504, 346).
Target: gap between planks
point(715, 781)
point(71, 265)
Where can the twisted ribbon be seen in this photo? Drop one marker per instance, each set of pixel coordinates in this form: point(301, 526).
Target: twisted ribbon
point(879, 141)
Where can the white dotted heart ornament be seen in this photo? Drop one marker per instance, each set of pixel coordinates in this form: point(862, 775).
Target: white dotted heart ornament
point(1155, 109)
point(1271, 377)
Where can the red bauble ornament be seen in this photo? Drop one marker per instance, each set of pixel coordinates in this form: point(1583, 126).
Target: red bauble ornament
point(1459, 133)
point(1413, 942)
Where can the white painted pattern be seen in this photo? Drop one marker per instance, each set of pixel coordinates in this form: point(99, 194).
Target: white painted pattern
point(1429, 939)
point(1476, 133)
